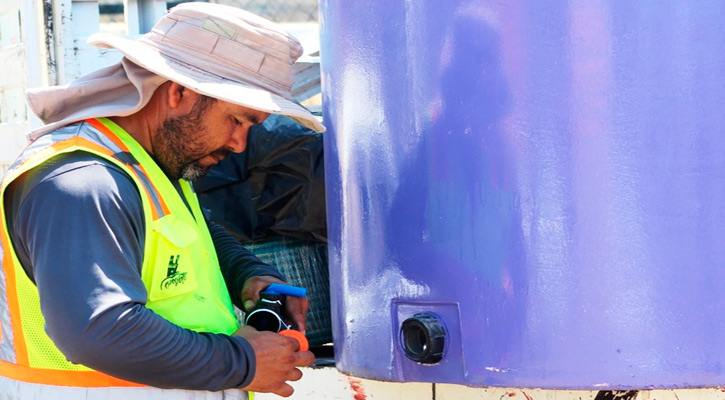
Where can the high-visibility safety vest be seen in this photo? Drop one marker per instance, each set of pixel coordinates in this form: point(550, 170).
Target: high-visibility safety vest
point(180, 270)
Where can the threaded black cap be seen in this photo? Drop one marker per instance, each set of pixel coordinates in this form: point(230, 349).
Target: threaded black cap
point(423, 338)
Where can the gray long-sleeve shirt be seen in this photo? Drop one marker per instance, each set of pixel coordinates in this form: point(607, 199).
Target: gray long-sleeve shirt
point(78, 228)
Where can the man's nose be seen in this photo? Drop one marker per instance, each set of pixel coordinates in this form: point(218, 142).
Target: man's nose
point(238, 141)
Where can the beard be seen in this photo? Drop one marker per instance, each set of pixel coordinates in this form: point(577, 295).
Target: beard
point(179, 145)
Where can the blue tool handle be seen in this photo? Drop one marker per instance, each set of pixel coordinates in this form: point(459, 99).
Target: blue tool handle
point(289, 290)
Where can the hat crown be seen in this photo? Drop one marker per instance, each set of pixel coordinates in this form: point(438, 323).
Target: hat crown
point(228, 42)
point(222, 52)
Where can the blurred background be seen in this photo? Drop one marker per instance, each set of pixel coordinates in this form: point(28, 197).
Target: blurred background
point(299, 17)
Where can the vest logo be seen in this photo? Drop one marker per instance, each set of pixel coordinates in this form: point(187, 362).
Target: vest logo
point(173, 276)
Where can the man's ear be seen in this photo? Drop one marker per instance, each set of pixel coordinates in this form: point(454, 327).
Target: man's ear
point(180, 98)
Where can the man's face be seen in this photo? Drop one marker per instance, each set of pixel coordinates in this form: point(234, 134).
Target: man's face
point(187, 146)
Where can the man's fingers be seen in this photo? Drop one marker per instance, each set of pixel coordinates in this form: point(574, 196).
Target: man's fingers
point(252, 287)
point(304, 358)
point(294, 375)
point(300, 322)
point(285, 390)
point(297, 311)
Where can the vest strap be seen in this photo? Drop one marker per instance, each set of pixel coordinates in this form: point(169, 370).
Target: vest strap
point(60, 377)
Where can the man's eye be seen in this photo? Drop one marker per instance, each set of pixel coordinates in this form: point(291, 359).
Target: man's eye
point(236, 121)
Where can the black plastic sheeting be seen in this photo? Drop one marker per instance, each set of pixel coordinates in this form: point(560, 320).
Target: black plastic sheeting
point(275, 187)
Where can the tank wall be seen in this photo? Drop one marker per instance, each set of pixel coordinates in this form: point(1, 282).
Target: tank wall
point(547, 177)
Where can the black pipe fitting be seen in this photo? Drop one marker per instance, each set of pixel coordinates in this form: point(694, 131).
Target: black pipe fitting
point(423, 338)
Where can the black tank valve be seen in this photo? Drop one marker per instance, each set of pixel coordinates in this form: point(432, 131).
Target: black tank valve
point(423, 338)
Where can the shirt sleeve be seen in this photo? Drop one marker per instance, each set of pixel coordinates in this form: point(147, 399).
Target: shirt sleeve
point(78, 229)
point(237, 263)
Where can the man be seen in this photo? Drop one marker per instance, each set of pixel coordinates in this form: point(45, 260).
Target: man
point(115, 286)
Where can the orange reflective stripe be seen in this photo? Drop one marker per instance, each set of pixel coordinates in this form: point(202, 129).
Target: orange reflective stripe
point(109, 133)
point(85, 143)
point(61, 378)
point(80, 142)
point(115, 139)
point(21, 351)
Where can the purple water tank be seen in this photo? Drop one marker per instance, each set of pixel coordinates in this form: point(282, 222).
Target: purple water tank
point(543, 179)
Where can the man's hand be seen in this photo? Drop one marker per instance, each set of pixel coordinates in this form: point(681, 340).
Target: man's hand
point(296, 307)
point(277, 360)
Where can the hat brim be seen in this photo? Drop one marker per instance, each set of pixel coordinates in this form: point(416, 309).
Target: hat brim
point(205, 83)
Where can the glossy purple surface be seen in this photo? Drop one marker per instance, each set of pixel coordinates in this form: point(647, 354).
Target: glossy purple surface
point(547, 176)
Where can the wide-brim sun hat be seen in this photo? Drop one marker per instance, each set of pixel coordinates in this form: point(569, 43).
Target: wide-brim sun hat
point(222, 52)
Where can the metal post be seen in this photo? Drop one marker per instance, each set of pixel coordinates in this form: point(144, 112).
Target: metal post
point(141, 15)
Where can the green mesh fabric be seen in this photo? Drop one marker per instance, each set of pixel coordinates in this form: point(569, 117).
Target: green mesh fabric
point(304, 264)
point(42, 353)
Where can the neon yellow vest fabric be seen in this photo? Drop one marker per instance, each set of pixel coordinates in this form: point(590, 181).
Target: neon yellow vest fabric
point(180, 267)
